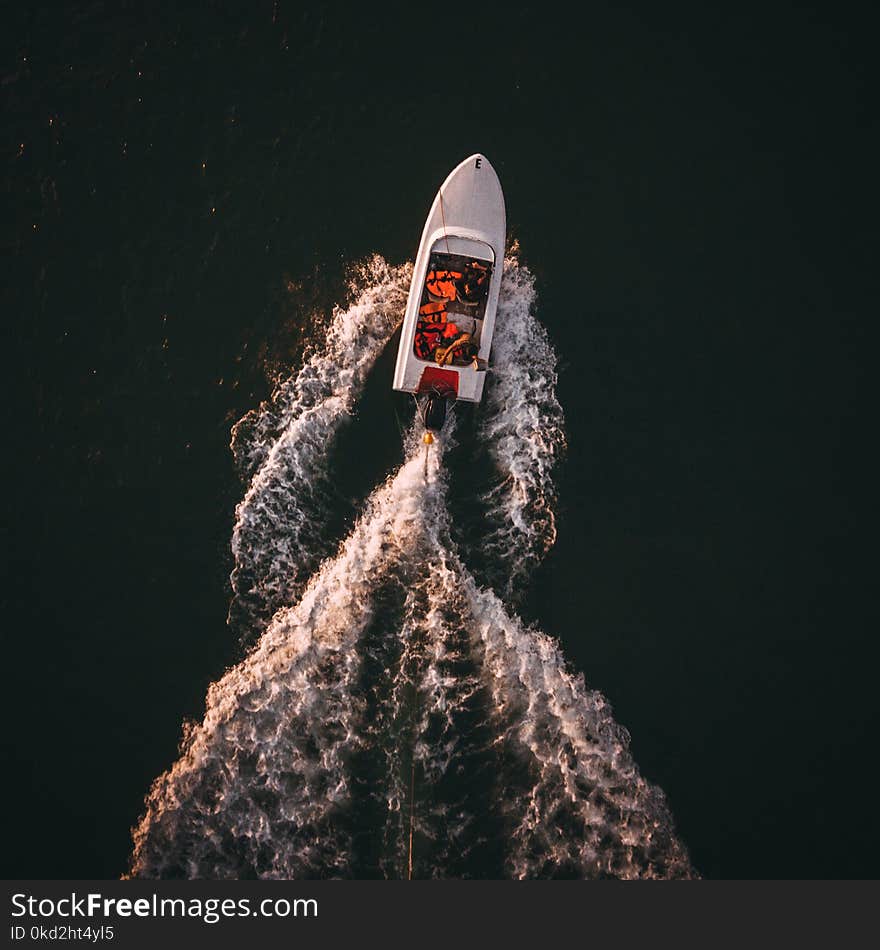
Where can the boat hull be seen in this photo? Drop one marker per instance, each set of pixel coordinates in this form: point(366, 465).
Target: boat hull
point(467, 222)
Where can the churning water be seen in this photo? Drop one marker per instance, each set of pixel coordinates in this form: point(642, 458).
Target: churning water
point(394, 717)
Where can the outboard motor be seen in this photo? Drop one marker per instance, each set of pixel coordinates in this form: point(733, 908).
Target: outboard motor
point(435, 412)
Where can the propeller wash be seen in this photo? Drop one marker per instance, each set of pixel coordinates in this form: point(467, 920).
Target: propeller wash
point(394, 717)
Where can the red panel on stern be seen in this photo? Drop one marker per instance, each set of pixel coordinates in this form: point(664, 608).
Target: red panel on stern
point(443, 381)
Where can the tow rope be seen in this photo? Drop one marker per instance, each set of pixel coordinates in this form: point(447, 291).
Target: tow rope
point(412, 809)
point(443, 219)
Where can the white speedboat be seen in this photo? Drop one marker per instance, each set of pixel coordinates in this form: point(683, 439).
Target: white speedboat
point(453, 299)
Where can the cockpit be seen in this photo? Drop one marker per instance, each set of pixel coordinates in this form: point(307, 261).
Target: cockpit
point(452, 308)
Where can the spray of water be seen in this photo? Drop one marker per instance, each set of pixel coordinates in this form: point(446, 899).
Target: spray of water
point(523, 429)
point(282, 447)
point(395, 717)
point(259, 781)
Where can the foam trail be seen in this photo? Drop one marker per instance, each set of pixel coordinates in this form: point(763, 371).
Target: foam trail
point(439, 756)
point(398, 694)
point(260, 780)
point(584, 810)
point(278, 535)
point(574, 802)
point(523, 428)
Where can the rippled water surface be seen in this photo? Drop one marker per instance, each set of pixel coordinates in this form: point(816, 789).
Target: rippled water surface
point(247, 631)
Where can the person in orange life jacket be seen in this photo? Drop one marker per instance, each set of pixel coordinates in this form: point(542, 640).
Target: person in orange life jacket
point(433, 325)
point(441, 283)
point(476, 277)
point(462, 348)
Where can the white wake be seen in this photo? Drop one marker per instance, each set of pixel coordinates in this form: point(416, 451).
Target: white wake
point(395, 718)
point(283, 446)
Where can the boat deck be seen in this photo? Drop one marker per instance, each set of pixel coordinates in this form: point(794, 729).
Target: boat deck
point(453, 303)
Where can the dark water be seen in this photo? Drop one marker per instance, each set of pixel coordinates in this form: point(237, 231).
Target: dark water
point(185, 189)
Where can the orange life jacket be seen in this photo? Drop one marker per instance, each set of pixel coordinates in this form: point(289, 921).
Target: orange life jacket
point(424, 345)
point(433, 312)
point(441, 283)
point(427, 339)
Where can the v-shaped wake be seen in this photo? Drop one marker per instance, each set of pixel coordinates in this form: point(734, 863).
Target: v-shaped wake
point(395, 717)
